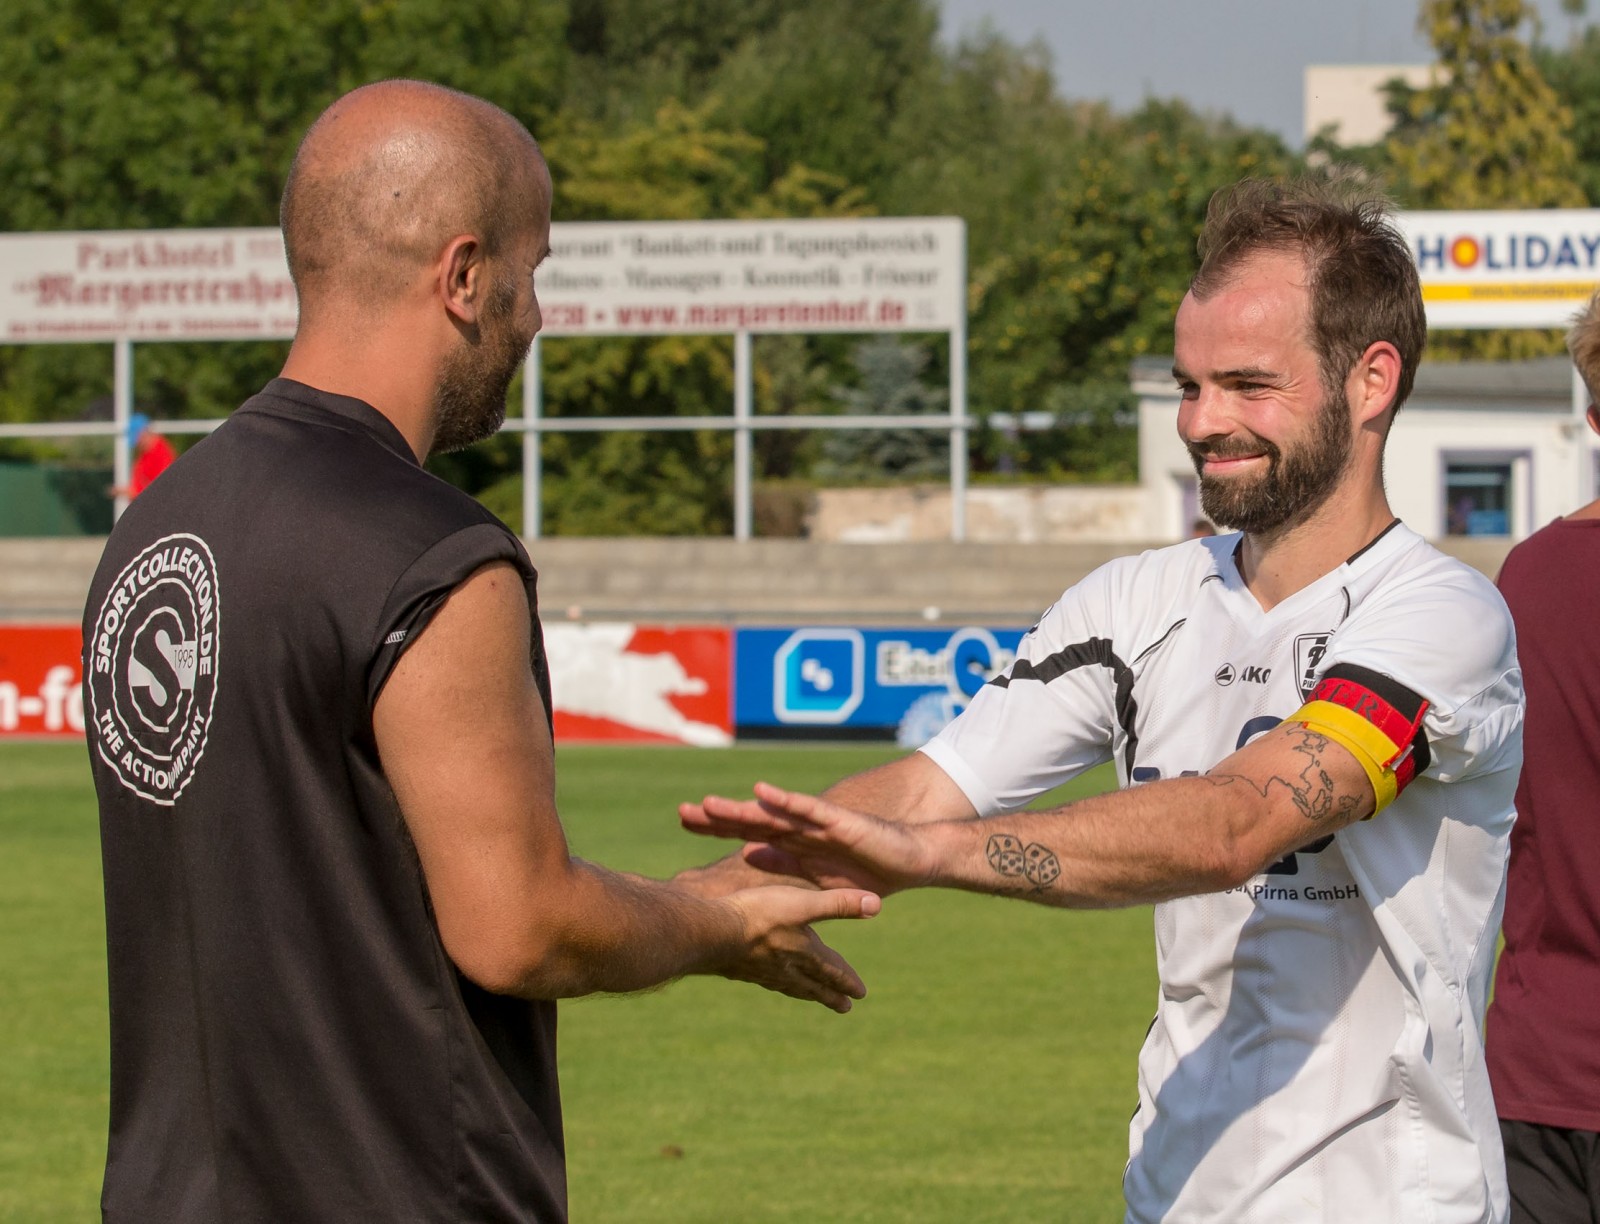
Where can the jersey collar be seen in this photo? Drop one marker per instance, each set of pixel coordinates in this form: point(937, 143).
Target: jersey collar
point(355, 411)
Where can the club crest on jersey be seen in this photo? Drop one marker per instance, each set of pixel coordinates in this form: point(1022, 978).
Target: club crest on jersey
point(151, 664)
point(1308, 651)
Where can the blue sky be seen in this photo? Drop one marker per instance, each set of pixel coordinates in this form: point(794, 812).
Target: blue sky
point(1242, 57)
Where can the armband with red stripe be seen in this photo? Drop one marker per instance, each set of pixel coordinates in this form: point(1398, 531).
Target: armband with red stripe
point(1378, 719)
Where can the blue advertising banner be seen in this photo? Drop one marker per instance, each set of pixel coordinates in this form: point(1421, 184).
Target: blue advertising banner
point(861, 683)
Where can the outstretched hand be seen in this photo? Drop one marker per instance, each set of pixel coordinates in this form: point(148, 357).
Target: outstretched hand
point(783, 953)
point(832, 845)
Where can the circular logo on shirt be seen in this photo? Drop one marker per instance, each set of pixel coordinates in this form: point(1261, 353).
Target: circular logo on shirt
point(151, 664)
point(1225, 675)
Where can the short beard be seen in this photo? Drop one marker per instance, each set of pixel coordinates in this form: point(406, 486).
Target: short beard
point(1293, 487)
point(469, 400)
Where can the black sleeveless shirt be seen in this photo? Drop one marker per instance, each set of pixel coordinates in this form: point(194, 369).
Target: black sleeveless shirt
point(289, 1040)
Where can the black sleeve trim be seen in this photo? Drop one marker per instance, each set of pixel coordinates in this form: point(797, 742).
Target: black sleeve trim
point(1096, 652)
point(420, 592)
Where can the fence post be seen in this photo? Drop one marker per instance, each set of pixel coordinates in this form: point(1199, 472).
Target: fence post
point(742, 394)
point(532, 462)
point(121, 412)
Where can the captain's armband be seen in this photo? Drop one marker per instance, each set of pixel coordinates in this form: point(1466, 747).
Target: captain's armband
point(1377, 719)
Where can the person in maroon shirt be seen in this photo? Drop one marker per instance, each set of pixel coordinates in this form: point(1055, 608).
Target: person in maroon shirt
point(1543, 1035)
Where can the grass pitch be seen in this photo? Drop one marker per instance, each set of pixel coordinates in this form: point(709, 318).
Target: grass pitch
point(989, 1075)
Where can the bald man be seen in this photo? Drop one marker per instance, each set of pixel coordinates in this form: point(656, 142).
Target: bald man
point(339, 901)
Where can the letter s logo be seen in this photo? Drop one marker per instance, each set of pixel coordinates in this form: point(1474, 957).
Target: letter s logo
point(152, 675)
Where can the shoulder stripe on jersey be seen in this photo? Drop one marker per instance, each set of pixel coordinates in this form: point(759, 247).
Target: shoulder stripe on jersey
point(1145, 653)
point(1094, 652)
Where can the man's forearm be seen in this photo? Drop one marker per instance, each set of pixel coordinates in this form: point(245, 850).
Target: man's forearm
point(1080, 856)
point(1152, 843)
point(616, 933)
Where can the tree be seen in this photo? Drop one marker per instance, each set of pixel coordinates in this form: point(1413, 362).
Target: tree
point(889, 382)
point(145, 114)
point(830, 102)
point(682, 164)
point(1489, 132)
point(1574, 75)
point(1099, 281)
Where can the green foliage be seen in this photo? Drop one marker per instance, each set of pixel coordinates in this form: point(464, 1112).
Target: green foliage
point(1489, 132)
point(1574, 76)
point(1094, 436)
point(818, 99)
point(1098, 281)
point(681, 164)
point(148, 114)
point(890, 381)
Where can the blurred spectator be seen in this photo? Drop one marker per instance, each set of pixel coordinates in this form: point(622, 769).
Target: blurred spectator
point(1201, 528)
point(152, 455)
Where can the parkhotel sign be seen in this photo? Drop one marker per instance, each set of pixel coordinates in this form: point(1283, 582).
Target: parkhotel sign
point(611, 278)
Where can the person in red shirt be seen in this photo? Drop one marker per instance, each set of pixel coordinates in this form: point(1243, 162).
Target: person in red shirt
point(1543, 1055)
point(152, 455)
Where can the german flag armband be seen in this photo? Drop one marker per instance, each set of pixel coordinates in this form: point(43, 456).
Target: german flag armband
point(1377, 719)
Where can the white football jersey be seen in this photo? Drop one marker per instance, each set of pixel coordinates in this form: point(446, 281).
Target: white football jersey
point(1316, 1052)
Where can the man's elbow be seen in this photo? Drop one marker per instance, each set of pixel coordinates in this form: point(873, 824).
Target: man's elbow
point(520, 963)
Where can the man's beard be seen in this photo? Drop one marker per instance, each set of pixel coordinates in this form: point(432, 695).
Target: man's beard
point(469, 402)
point(1292, 487)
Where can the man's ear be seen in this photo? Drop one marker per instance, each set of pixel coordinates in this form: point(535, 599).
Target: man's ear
point(1375, 381)
point(1593, 414)
point(459, 274)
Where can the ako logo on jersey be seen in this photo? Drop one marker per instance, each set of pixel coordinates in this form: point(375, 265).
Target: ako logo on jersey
point(152, 667)
point(1308, 651)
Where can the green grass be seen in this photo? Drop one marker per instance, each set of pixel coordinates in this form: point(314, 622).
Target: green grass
point(988, 1076)
point(52, 974)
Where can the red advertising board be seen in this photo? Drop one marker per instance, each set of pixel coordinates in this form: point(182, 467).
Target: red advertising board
point(613, 682)
point(41, 670)
point(640, 684)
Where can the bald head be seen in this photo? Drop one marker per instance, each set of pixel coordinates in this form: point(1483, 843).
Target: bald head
point(387, 176)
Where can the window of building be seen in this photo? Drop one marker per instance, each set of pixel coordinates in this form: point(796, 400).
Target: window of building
point(1477, 499)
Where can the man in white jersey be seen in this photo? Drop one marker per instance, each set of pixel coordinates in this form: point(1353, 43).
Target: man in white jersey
point(1318, 722)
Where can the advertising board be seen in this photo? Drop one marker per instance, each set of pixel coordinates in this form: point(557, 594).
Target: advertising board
point(41, 671)
point(1524, 268)
point(640, 684)
point(903, 684)
point(612, 682)
point(145, 285)
point(1513, 268)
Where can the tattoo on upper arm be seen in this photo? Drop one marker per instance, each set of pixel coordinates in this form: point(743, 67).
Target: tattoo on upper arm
point(1037, 863)
point(1313, 789)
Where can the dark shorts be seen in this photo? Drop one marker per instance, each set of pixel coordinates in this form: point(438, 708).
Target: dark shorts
point(1554, 1173)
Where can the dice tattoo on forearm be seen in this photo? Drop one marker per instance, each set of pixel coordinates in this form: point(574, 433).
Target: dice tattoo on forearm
point(1036, 863)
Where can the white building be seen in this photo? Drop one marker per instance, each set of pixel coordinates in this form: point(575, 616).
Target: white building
point(1350, 99)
